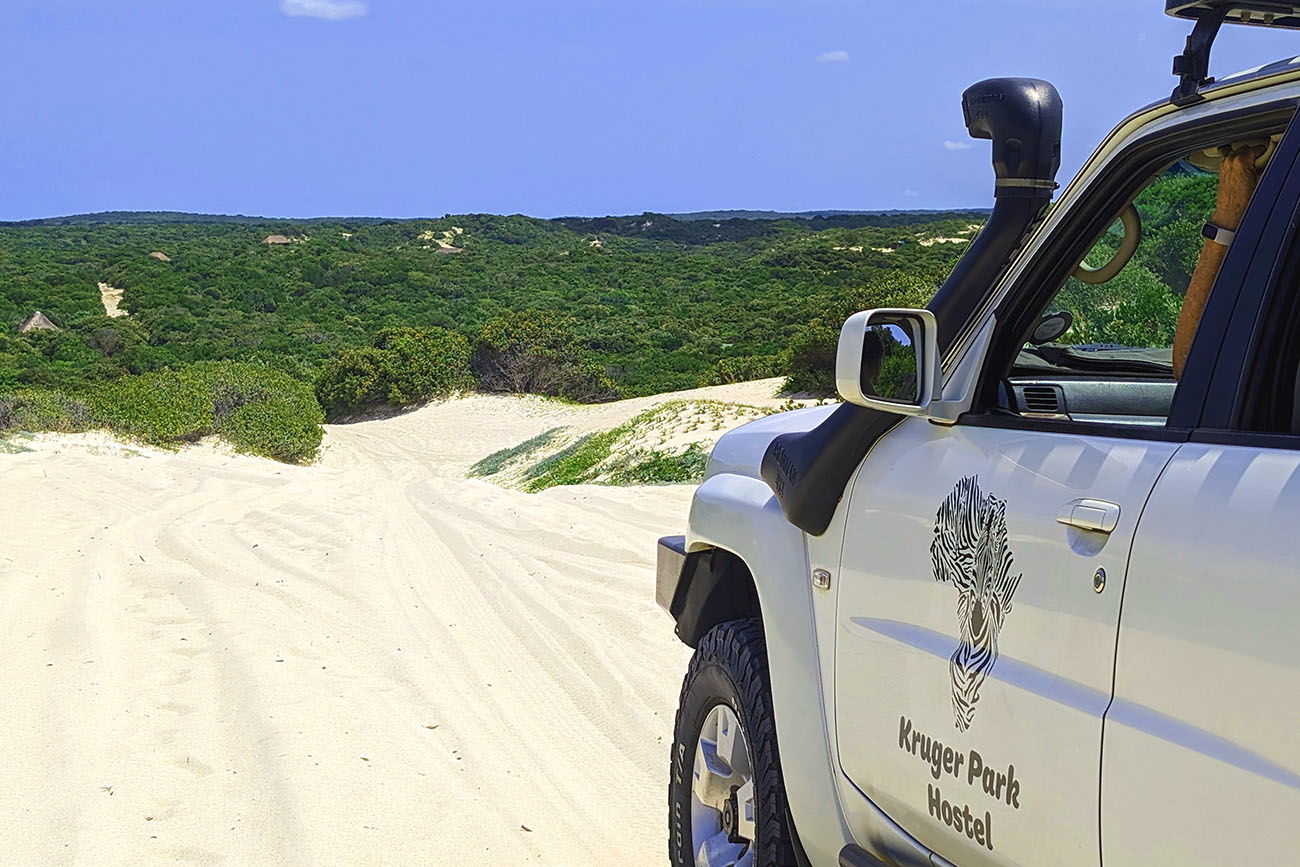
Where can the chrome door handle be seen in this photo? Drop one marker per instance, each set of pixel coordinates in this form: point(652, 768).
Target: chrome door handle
point(1098, 516)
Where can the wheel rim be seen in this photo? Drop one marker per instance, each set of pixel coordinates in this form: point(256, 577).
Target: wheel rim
point(722, 793)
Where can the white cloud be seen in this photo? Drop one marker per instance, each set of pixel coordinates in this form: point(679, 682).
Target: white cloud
point(330, 10)
point(832, 57)
point(911, 194)
point(957, 145)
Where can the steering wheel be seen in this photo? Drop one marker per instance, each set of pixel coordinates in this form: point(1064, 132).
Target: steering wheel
point(1132, 223)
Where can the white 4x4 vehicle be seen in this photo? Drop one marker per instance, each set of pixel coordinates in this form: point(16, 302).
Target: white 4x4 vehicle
point(1027, 596)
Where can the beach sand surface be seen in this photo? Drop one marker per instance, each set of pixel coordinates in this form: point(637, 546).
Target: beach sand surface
point(211, 658)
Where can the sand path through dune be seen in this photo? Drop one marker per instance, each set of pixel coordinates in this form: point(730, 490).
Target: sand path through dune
point(211, 658)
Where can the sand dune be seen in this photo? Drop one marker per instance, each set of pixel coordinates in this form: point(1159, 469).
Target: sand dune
point(213, 659)
point(111, 298)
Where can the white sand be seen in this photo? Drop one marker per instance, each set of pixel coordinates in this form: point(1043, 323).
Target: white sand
point(210, 658)
point(111, 298)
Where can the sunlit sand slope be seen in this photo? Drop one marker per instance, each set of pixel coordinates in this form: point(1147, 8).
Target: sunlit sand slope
point(210, 658)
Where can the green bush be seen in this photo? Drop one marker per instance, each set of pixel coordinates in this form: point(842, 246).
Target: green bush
point(401, 367)
point(286, 429)
point(352, 381)
point(422, 363)
point(743, 368)
point(257, 410)
point(810, 359)
point(39, 410)
point(539, 353)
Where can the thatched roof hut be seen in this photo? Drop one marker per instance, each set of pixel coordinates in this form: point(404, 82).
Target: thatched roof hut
point(38, 321)
point(160, 256)
point(276, 239)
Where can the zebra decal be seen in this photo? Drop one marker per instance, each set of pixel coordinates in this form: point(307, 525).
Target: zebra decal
point(970, 552)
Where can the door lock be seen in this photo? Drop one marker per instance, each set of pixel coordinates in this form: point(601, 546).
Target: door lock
point(821, 579)
point(1099, 580)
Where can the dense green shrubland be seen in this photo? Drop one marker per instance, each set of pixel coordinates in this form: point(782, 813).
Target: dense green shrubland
point(652, 310)
point(258, 410)
point(380, 312)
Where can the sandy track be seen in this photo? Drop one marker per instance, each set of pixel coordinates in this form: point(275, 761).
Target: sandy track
point(216, 659)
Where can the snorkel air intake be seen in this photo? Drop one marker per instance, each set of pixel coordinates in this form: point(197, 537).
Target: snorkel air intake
point(1022, 116)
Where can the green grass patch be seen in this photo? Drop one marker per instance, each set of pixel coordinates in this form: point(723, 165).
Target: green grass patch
point(497, 461)
point(661, 468)
point(12, 443)
point(576, 463)
point(588, 460)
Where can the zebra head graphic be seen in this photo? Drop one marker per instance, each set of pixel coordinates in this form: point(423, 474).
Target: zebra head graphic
point(970, 552)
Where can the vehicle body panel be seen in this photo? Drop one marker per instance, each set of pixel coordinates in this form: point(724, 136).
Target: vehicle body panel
point(739, 514)
point(740, 451)
point(898, 628)
point(1201, 759)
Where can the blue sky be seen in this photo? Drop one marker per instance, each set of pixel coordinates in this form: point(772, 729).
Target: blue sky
point(424, 107)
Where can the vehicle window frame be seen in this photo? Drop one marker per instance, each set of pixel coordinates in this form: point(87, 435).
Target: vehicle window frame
point(1253, 334)
point(1135, 167)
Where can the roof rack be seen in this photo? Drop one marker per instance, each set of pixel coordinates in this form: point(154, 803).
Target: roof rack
point(1193, 66)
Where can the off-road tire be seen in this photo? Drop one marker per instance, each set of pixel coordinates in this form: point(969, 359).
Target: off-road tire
point(730, 666)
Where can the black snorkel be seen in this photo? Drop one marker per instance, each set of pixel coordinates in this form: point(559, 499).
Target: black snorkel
point(1022, 116)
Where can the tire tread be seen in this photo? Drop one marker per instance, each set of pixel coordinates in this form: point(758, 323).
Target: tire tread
point(739, 649)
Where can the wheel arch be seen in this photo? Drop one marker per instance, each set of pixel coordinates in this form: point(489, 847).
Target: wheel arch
point(755, 553)
point(716, 586)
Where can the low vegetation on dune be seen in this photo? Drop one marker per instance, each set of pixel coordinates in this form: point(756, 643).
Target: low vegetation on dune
point(664, 445)
point(500, 460)
point(256, 409)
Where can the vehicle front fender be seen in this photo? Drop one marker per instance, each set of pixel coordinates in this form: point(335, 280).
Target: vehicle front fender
point(739, 514)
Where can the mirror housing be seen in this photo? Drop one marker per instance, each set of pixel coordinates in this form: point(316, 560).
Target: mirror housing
point(888, 359)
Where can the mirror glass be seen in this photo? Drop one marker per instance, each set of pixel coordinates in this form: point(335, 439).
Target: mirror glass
point(891, 359)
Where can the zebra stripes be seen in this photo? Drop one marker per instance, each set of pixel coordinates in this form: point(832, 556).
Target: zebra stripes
point(970, 552)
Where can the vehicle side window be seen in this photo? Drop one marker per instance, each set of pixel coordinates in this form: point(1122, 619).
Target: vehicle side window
point(1271, 403)
point(1110, 345)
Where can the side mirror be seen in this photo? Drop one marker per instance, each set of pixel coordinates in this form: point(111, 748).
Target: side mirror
point(888, 359)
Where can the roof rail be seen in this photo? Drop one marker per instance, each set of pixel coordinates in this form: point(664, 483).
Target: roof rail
point(1193, 66)
point(1261, 13)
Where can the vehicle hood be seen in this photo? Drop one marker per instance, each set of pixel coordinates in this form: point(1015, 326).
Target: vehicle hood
point(740, 452)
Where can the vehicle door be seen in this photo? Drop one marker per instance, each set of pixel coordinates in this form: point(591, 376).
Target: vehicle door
point(983, 563)
point(1200, 758)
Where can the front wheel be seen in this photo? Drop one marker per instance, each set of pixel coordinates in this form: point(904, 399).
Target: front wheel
point(726, 799)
